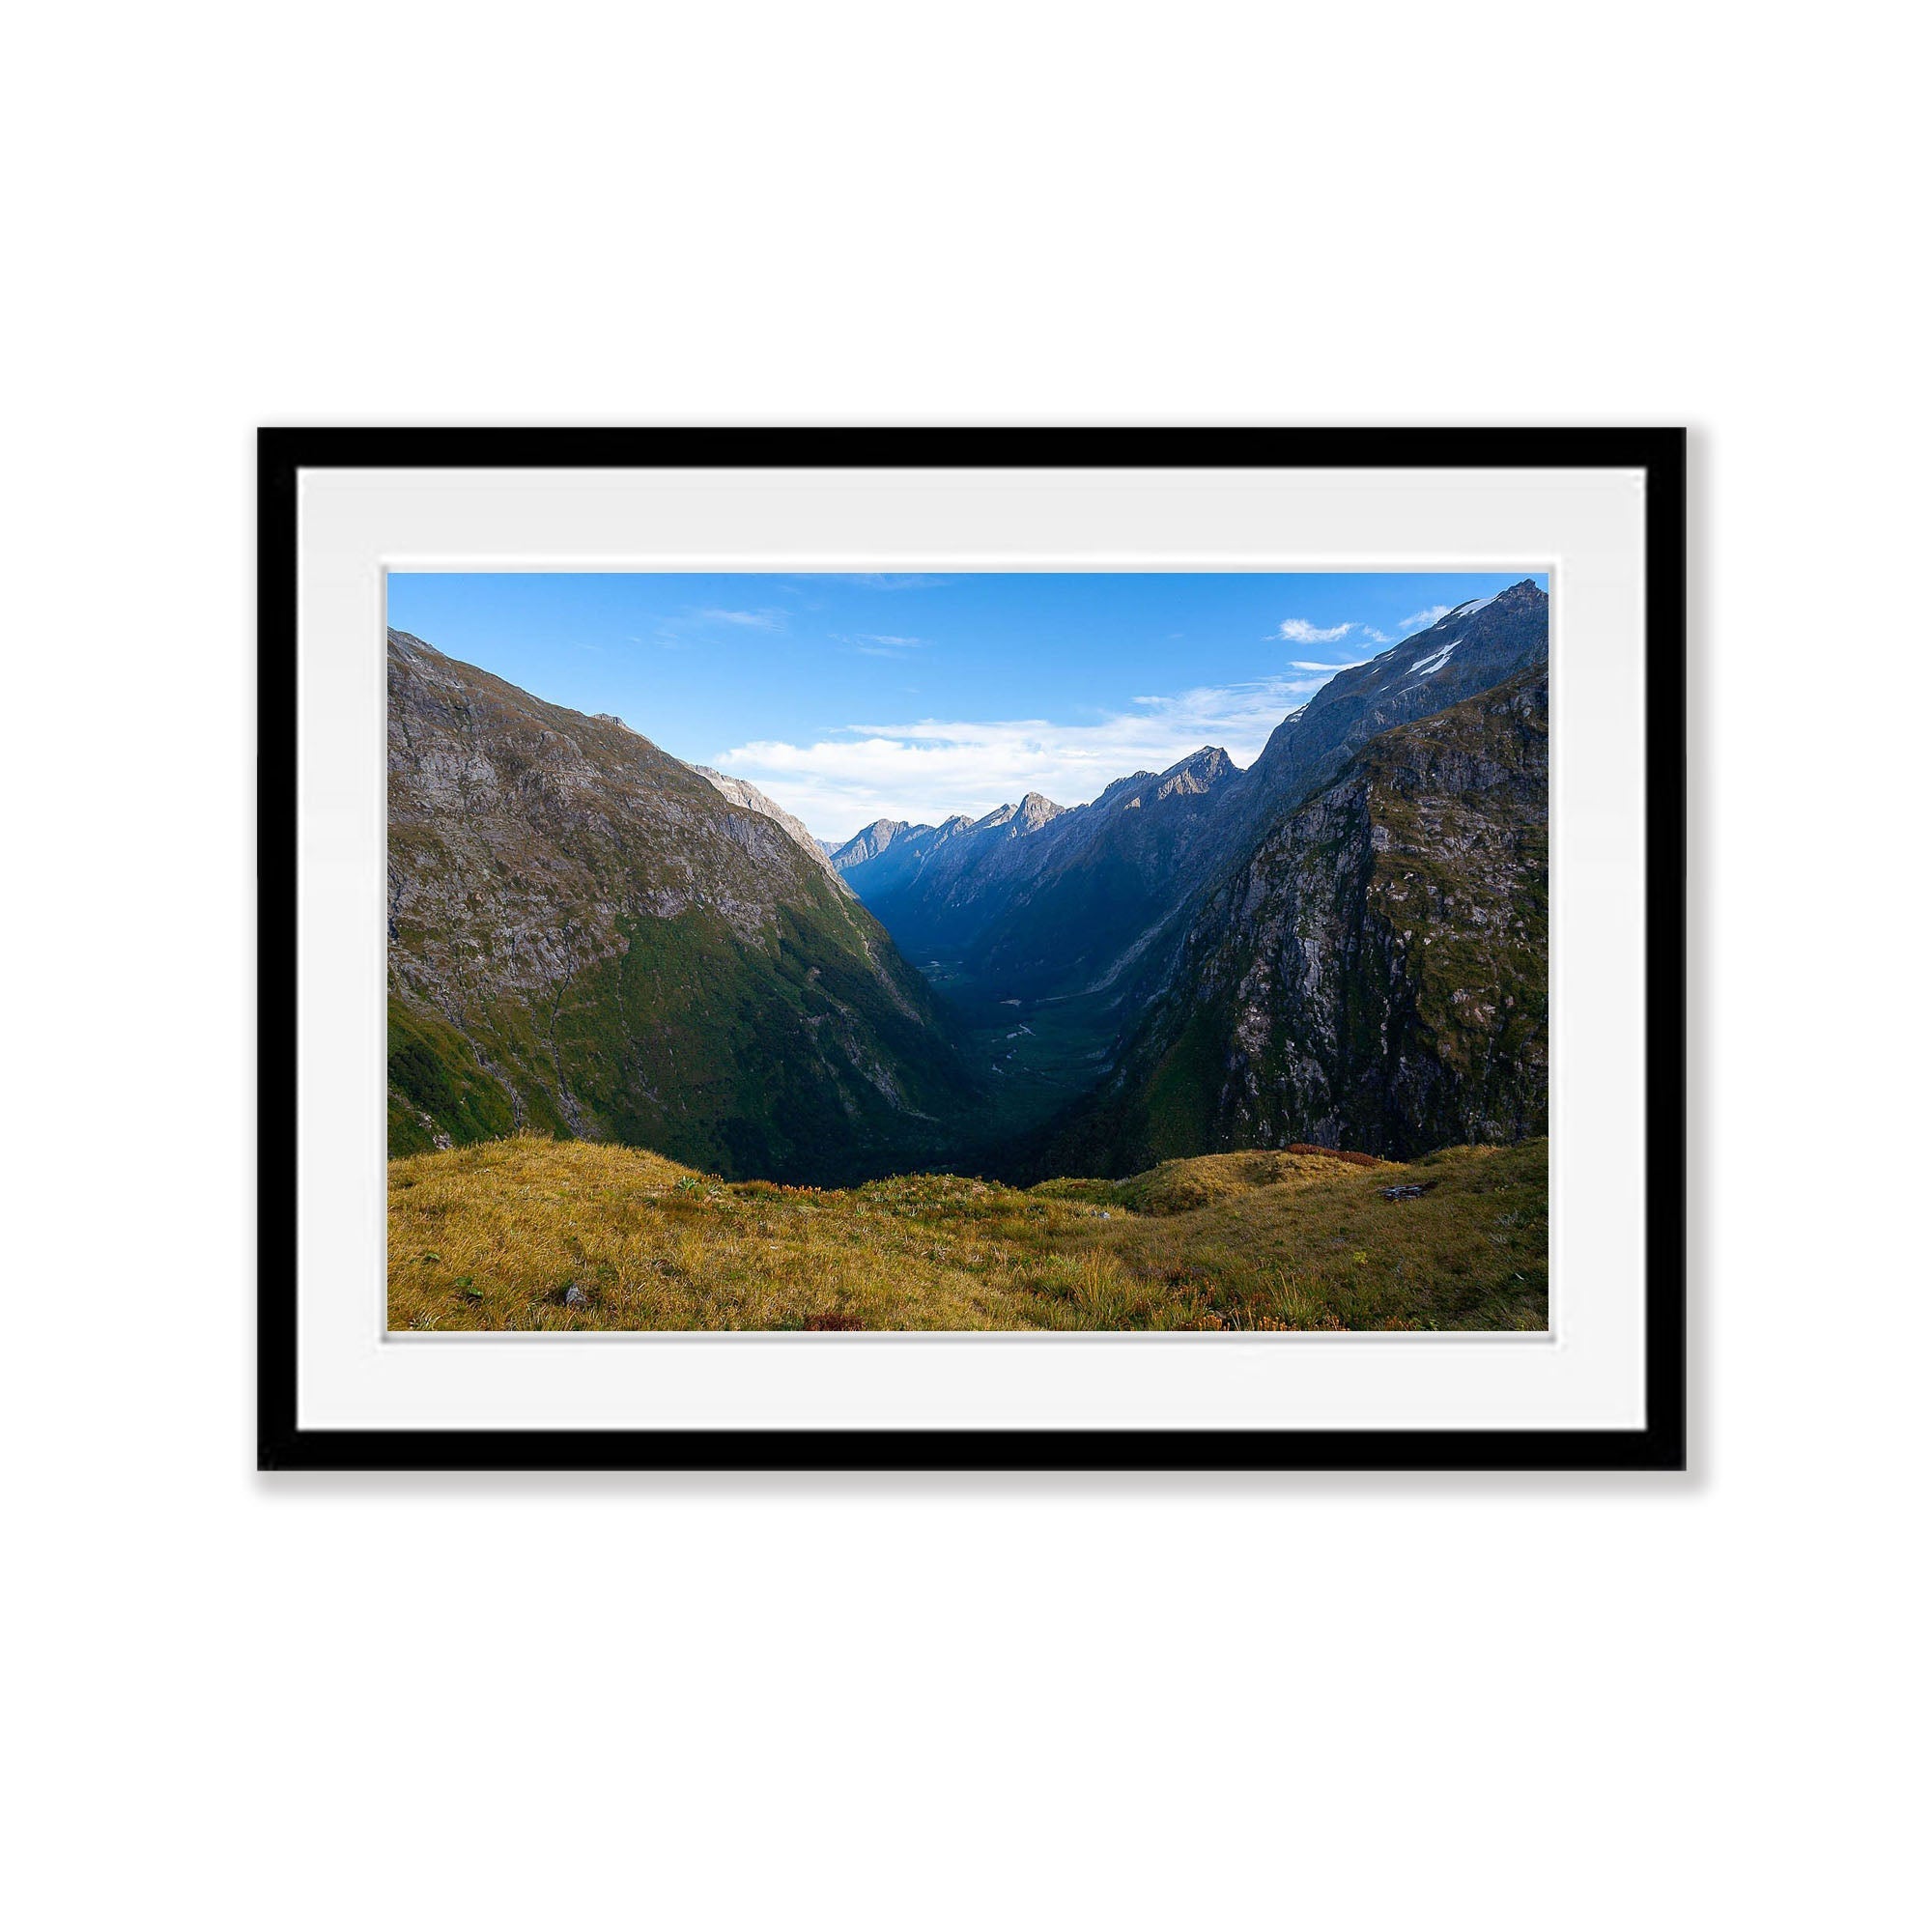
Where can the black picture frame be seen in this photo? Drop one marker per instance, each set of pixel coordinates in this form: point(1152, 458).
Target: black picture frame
point(1659, 1444)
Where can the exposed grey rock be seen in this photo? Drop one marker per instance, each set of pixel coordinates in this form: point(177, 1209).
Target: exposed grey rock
point(742, 792)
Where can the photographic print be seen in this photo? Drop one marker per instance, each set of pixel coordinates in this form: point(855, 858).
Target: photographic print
point(1031, 951)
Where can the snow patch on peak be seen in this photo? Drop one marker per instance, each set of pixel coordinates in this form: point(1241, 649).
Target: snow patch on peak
point(1422, 666)
point(1468, 610)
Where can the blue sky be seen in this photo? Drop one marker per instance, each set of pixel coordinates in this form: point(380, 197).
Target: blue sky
point(850, 699)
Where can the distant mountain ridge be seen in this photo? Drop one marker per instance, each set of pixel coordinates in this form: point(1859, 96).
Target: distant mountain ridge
point(1035, 889)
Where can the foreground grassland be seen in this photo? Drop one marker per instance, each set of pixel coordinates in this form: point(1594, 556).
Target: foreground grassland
point(531, 1234)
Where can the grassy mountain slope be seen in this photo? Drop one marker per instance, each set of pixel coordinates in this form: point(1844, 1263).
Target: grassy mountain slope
point(1373, 973)
point(528, 1234)
point(588, 937)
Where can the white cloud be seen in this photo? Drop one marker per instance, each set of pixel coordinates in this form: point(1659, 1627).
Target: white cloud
point(1303, 664)
point(930, 769)
point(1299, 630)
point(1422, 619)
point(1408, 627)
point(760, 620)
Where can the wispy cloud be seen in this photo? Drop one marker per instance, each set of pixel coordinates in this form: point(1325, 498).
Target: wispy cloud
point(1303, 664)
point(930, 769)
point(675, 633)
point(1299, 630)
point(757, 620)
point(1406, 627)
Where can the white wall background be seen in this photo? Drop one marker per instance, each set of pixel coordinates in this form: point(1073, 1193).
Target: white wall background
point(236, 1702)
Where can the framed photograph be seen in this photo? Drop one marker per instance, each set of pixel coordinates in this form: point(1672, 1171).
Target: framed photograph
point(970, 948)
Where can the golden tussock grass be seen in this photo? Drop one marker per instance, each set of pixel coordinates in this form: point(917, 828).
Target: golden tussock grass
point(532, 1234)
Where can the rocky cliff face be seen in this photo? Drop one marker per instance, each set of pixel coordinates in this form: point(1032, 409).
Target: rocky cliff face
point(740, 791)
point(588, 936)
point(1370, 973)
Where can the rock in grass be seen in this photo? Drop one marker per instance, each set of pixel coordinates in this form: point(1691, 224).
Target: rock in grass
point(575, 1298)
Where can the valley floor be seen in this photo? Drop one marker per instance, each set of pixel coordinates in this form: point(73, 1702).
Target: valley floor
point(531, 1234)
point(1031, 1056)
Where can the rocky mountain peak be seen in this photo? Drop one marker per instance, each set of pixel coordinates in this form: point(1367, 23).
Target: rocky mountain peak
point(1198, 773)
point(869, 843)
point(1032, 813)
point(1518, 597)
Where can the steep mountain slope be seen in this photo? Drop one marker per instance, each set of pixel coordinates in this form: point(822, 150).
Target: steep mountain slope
point(740, 791)
point(1471, 648)
point(1372, 973)
point(587, 936)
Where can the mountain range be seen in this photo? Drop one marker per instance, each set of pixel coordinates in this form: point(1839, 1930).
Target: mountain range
point(1043, 899)
point(1342, 944)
